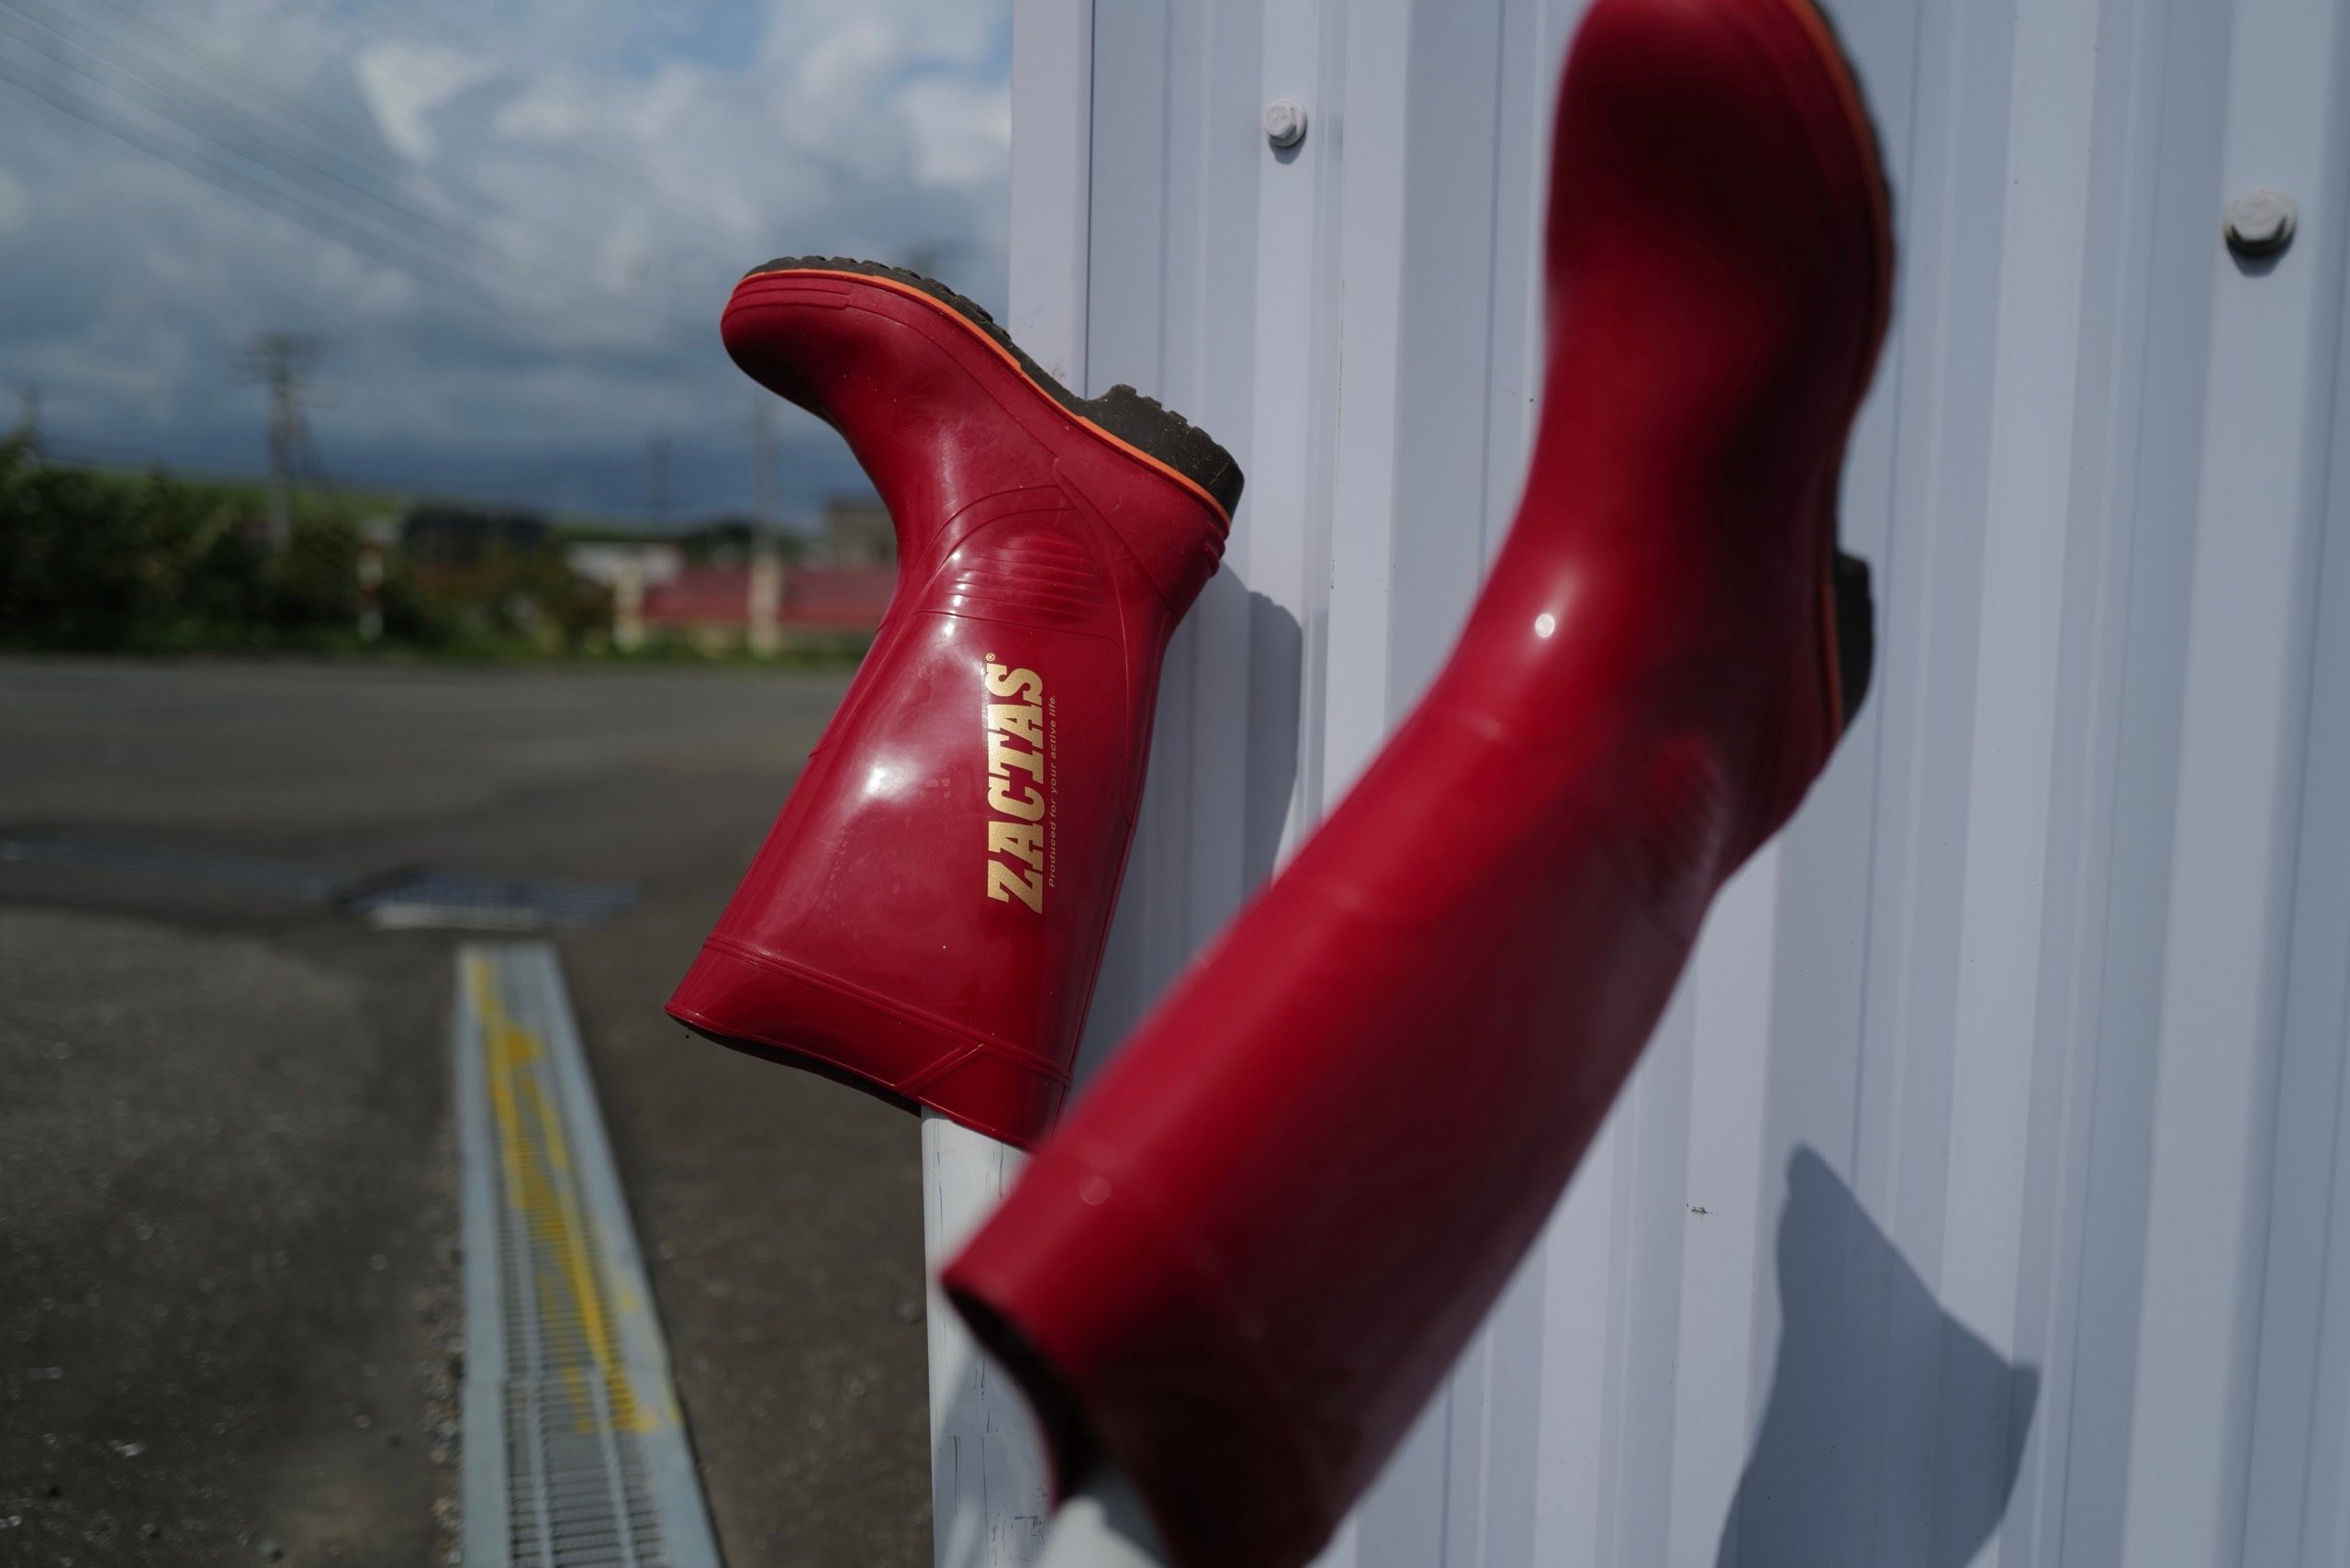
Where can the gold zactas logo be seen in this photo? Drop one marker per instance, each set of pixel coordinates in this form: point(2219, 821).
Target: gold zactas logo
point(1016, 752)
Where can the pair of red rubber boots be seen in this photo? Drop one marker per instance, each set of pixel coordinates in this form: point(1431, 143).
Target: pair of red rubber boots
point(1240, 1268)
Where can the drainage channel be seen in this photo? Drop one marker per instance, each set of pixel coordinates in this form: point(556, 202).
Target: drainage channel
point(575, 1452)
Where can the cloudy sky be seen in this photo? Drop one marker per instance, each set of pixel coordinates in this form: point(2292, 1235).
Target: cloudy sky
point(510, 224)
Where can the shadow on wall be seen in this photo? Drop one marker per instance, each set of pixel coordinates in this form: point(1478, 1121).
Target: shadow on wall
point(1893, 1434)
point(1265, 686)
point(1277, 677)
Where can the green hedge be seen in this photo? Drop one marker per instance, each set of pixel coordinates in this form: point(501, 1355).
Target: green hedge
point(97, 561)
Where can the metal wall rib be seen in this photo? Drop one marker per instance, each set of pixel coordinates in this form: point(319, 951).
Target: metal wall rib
point(1980, 1198)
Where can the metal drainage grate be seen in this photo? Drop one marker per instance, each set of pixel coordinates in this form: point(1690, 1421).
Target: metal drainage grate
point(575, 1454)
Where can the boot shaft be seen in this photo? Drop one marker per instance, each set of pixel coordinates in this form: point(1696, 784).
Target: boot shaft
point(1718, 280)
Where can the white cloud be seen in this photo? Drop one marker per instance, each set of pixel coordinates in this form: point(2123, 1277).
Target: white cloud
point(960, 34)
point(962, 130)
point(404, 83)
point(16, 203)
point(535, 212)
point(367, 286)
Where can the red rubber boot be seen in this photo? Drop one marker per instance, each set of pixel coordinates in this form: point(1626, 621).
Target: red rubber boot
point(1244, 1263)
point(927, 917)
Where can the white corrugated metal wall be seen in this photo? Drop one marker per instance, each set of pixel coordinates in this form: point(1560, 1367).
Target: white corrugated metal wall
point(1980, 1199)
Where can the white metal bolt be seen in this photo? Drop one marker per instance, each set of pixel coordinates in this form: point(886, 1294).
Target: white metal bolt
point(2260, 222)
point(1284, 122)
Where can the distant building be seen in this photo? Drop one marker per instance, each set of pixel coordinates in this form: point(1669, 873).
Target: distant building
point(613, 563)
point(713, 595)
point(847, 599)
point(851, 530)
point(716, 607)
point(856, 533)
point(726, 583)
point(450, 533)
point(629, 568)
point(721, 542)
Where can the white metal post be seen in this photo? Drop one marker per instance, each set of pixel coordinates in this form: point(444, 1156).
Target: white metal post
point(990, 1485)
point(988, 1488)
point(1104, 1526)
point(989, 1482)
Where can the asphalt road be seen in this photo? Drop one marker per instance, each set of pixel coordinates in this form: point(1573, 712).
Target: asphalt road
point(229, 1330)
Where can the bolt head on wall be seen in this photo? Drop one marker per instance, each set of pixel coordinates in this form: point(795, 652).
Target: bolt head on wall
point(2260, 222)
point(1284, 122)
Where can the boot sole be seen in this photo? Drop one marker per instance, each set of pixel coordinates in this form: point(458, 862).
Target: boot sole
point(1142, 427)
point(1821, 27)
point(1848, 609)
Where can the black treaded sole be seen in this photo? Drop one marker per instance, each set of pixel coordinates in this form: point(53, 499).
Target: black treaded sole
point(1855, 606)
point(1141, 422)
point(1855, 635)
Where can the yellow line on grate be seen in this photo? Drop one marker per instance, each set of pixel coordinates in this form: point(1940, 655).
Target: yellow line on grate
point(538, 1191)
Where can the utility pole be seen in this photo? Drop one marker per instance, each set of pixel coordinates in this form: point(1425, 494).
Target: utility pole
point(659, 458)
point(763, 459)
point(767, 564)
point(279, 362)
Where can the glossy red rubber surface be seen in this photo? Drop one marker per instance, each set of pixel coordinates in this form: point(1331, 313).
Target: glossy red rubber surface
point(925, 919)
point(1246, 1260)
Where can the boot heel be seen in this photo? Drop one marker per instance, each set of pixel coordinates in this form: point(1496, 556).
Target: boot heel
point(1855, 634)
point(1161, 433)
point(1144, 423)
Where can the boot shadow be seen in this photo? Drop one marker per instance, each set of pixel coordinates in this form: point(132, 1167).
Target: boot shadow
point(1893, 1434)
point(1267, 687)
point(1276, 680)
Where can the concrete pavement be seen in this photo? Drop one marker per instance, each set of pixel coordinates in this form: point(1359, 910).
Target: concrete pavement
point(227, 1266)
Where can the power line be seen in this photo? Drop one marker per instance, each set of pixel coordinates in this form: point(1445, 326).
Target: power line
point(286, 194)
point(106, 118)
point(250, 159)
point(340, 131)
point(322, 217)
point(397, 222)
point(246, 95)
point(334, 137)
point(140, 71)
